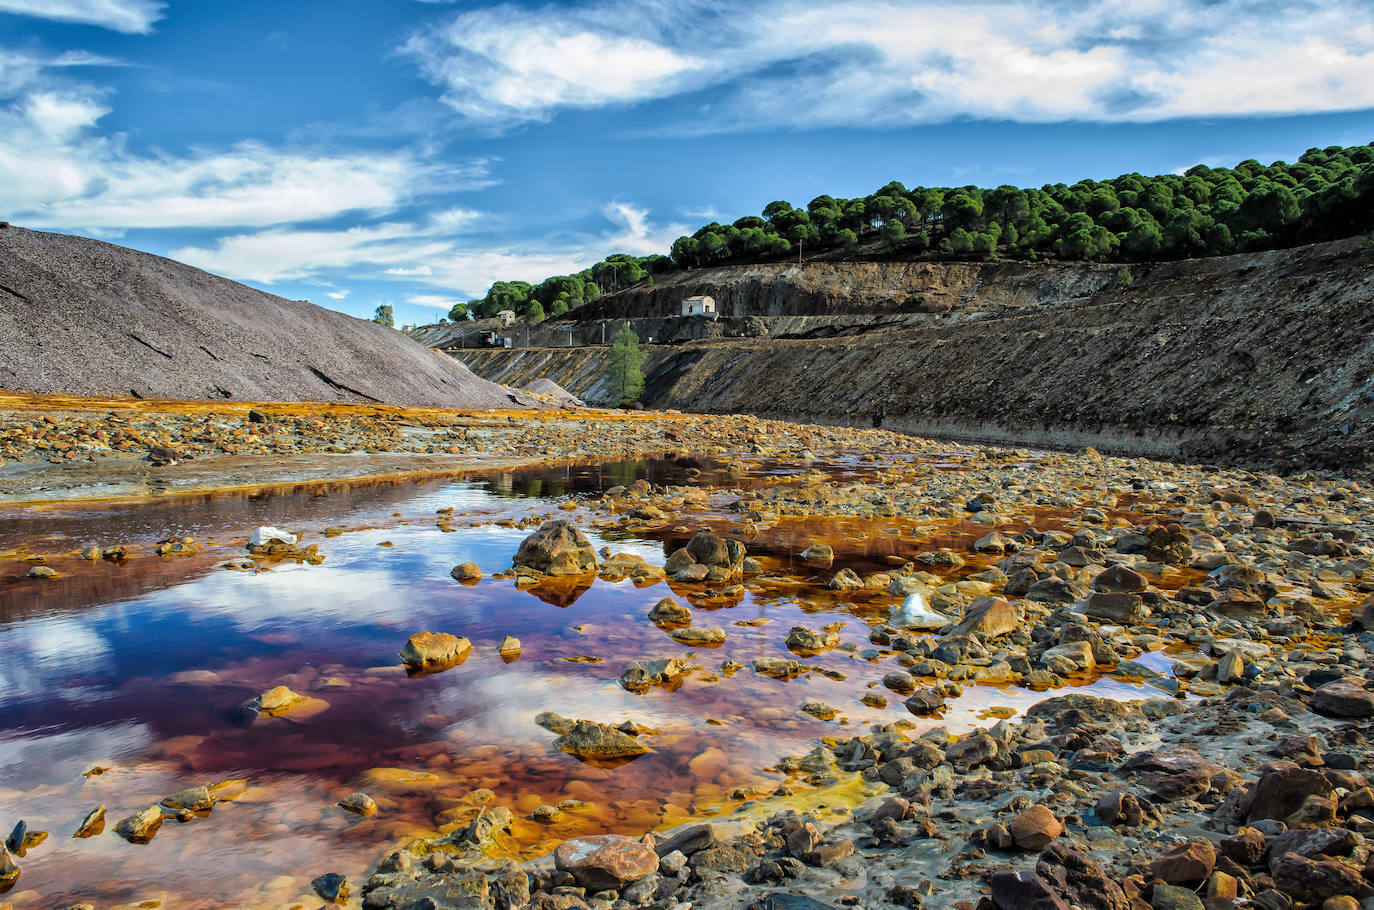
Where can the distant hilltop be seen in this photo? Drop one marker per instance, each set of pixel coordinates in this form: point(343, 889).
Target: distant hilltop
point(1328, 194)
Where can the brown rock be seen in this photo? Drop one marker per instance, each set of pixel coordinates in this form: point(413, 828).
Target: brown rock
point(1343, 698)
point(989, 617)
point(466, 572)
point(557, 548)
point(1035, 828)
point(1185, 864)
point(1308, 880)
point(588, 739)
point(1119, 579)
point(1281, 792)
point(428, 651)
point(605, 861)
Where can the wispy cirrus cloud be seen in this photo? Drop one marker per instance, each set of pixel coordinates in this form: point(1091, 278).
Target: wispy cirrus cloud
point(129, 16)
point(822, 63)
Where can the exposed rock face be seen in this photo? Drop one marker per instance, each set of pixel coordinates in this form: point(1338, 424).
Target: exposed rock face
point(120, 322)
point(1040, 329)
point(557, 548)
point(605, 861)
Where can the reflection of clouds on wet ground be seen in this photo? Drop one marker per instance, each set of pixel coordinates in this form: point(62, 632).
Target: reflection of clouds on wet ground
point(45, 653)
point(98, 686)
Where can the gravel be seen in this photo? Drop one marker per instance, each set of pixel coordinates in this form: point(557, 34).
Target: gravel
point(83, 317)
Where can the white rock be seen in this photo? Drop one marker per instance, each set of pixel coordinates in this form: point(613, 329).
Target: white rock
point(914, 613)
point(265, 535)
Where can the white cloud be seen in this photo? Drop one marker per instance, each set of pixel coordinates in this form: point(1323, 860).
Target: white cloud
point(640, 236)
point(506, 65)
point(336, 295)
point(290, 254)
point(426, 253)
point(437, 301)
point(815, 63)
point(131, 16)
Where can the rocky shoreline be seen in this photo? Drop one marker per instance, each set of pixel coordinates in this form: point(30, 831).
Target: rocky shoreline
point(1241, 785)
point(1238, 602)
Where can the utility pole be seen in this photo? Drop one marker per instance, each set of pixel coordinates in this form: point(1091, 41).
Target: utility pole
point(801, 244)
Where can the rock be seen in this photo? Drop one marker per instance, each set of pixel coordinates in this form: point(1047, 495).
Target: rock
point(778, 667)
point(358, 803)
point(605, 861)
point(845, 580)
point(511, 890)
point(557, 548)
point(1244, 848)
point(264, 536)
point(925, 701)
point(678, 560)
point(1035, 828)
point(590, 740)
point(900, 681)
point(430, 651)
point(820, 710)
point(1013, 890)
point(510, 646)
point(331, 887)
point(818, 553)
point(709, 549)
point(9, 870)
point(805, 641)
point(1343, 698)
point(1080, 882)
point(693, 573)
point(196, 799)
point(914, 613)
point(668, 611)
point(466, 572)
point(1185, 864)
point(1125, 609)
point(989, 617)
point(992, 542)
point(1119, 579)
point(1056, 590)
point(698, 637)
point(1230, 668)
point(1172, 897)
point(653, 673)
point(92, 824)
point(1309, 880)
point(1281, 792)
point(1118, 808)
point(276, 701)
point(141, 827)
point(1075, 655)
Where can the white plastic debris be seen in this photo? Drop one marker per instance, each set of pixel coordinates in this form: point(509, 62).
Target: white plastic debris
point(915, 613)
point(265, 535)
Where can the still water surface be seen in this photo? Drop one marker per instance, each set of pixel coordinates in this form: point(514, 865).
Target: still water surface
point(107, 666)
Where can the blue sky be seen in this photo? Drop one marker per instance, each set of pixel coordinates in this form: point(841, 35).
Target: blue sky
point(357, 152)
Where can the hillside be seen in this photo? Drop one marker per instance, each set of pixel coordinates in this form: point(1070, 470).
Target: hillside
point(82, 317)
point(1327, 194)
point(1263, 358)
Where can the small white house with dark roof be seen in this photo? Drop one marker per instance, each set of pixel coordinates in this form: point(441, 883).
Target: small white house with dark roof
point(701, 305)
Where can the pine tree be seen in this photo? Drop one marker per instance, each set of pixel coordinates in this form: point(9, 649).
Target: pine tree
point(624, 375)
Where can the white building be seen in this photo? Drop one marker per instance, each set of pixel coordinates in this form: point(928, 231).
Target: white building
point(699, 306)
point(506, 318)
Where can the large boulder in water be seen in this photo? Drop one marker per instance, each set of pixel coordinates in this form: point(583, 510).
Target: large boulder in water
point(557, 548)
